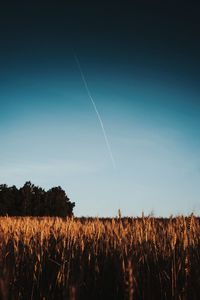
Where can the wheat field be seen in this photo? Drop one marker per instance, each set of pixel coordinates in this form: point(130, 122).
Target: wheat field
point(86, 258)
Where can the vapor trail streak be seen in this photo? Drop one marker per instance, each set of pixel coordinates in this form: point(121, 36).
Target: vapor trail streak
point(96, 111)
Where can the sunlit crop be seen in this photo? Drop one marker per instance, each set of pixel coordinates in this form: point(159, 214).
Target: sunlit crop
point(121, 258)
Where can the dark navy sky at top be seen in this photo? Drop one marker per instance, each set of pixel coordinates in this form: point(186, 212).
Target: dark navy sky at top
point(144, 41)
point(149, 36)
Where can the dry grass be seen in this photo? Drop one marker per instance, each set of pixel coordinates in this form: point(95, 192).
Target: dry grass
point(122, 258)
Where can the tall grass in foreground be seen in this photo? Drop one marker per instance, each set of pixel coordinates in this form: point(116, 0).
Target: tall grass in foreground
point(122, 258)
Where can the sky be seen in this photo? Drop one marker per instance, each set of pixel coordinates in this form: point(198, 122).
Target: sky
point(141, 64)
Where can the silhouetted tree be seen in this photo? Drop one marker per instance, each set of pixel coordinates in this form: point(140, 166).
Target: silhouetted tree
point(58, 203)
point(8, 197)
point(27, 194)
point(31, 200)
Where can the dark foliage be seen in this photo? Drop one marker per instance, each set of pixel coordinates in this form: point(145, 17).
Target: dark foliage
point(31, 200)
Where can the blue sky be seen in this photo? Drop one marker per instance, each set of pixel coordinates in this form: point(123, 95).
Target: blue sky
point(145, 86)
point(50, 135)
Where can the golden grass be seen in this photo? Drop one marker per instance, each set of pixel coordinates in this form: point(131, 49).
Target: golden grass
point(121, 258)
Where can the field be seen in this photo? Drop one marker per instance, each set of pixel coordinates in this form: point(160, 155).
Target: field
point(121, 258)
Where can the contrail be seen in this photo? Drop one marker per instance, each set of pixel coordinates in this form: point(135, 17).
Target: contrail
point(96, 111)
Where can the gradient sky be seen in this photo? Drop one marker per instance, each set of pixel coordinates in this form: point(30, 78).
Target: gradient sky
point(141, 63)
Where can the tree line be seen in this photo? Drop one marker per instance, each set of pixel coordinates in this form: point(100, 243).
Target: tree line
point(31, 200)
